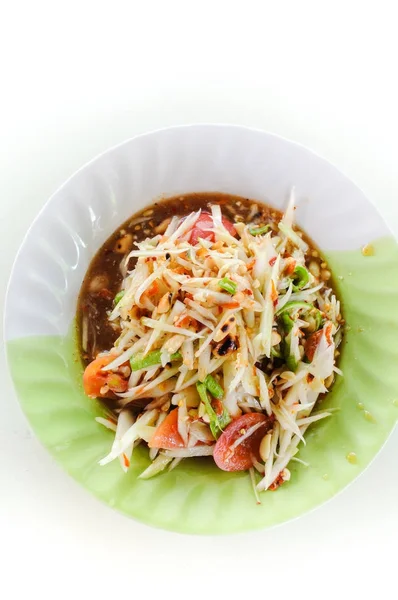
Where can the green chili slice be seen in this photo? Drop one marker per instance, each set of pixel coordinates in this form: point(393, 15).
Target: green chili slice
point(227, 285)
point(287, 322)
point(291, 363)
point(287, 354)
point(259, 230)
point(318, 319)
point(287, 325)
point(294, 305)
point(138, 362)
point(300, 278)
point(118, 297)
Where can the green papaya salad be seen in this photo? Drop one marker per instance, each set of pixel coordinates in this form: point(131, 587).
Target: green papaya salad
point(227, 337)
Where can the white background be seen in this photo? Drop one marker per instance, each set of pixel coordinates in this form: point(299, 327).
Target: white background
point(79, 77)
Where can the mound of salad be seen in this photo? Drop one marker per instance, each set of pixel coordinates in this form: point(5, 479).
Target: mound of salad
point(227, 340)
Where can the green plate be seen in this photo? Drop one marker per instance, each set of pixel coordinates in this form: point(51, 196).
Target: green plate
point(196, 497)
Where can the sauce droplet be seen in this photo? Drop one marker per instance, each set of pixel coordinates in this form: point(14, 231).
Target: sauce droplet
point(369, 417)
point(360, 405)
point(325, 477)
point(352, 458)
point(368, 250)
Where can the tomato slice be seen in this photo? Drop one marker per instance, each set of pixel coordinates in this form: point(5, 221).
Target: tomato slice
point(94, 379)
point(204, 222)
point(166, 435)
point(240, 458)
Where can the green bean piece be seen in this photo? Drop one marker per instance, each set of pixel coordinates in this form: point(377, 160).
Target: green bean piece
point(202, 391)
point(222, 420)
point(217, 422)
point(213, 387)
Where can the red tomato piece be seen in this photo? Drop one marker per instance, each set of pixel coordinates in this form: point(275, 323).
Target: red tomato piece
point(240, 458)
point(94, 379)
point(166, 435)
point(204, 222)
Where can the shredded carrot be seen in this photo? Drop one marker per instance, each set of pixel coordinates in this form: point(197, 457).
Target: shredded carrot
point(277, 483)
point(290, 266)
point(126, 461)
point(153, 289)
point(231, 305)
point(274, 293)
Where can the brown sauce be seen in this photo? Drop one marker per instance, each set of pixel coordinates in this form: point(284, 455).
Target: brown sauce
point(104, 276)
